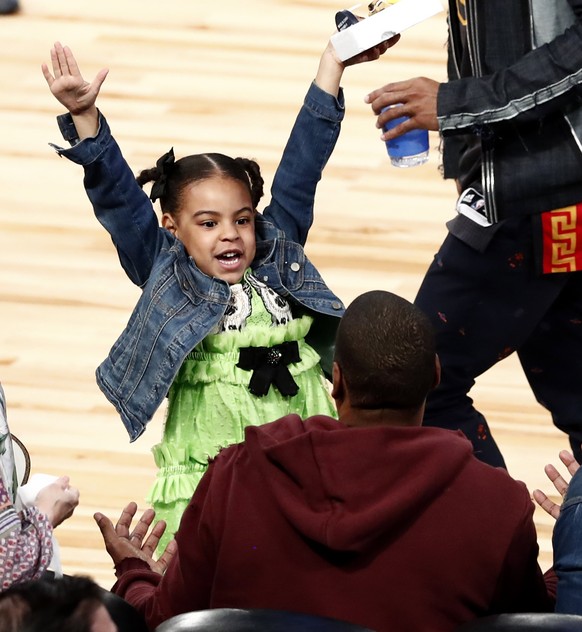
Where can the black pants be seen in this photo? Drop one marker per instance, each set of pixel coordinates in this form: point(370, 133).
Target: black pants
point(487, 305)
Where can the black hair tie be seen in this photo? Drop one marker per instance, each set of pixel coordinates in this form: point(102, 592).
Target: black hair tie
point(164, 165)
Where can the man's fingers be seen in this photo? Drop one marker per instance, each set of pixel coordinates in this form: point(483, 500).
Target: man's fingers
point(153, 539)
point(548, 505)
point(389, 94)
point(569, 461)
point(559, 483)
point(393, 40)
point(165, 558)
point(392, 130)
point(119, 548)
point(141, 528)
point(105, 525)
point(121, 544)
point(124, 522)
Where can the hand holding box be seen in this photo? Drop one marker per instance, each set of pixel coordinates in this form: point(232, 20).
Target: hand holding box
point(383, 25)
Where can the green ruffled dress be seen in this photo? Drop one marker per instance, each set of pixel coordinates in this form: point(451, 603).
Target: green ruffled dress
point(210, 403)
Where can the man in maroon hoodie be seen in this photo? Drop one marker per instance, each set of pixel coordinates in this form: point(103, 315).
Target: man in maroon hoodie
point(372, 519)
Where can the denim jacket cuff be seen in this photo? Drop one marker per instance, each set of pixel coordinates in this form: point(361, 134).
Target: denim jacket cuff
point(81, 151)
point(324, 104)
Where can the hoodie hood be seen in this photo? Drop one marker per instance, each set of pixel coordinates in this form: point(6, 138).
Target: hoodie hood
point(345, 487)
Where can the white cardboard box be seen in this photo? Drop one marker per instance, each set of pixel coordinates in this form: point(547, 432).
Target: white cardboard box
point(383, 25)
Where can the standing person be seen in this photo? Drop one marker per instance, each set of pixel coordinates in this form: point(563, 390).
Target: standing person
point(506, 277)
point(371, 518)
point(235, 325)
point(26, 544)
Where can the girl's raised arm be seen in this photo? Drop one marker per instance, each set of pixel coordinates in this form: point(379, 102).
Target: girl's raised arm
point(119, 203)
point(311, 143)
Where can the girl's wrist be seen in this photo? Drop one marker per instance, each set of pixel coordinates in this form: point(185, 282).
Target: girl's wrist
point(330, 71)
point(86, 122)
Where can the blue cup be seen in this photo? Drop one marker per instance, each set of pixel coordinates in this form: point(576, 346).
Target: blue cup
point(408, 150)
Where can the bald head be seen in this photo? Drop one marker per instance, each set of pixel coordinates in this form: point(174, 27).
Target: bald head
point(385, 350)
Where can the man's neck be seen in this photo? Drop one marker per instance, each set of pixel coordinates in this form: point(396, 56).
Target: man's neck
point(363, 417)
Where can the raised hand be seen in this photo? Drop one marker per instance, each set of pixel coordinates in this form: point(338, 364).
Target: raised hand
point(122, 544)
point(331, 68)
point(546, 503)
point(67, 84)
point(58, 500)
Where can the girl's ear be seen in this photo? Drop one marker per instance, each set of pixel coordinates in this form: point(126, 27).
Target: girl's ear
point(169, 223)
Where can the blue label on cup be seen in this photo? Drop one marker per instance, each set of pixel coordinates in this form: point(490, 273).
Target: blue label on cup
point(407, 150)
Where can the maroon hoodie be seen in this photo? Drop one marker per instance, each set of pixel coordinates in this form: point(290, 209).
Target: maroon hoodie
point(393, 528)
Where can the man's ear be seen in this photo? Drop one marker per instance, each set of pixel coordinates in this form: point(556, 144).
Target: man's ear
point(169, 223)
point(337, 390)
point(437, 371)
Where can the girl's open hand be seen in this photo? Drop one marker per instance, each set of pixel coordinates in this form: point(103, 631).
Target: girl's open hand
point(67, 83)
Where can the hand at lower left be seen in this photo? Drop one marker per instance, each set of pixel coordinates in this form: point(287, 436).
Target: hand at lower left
point(122, 544)
point(58, 500)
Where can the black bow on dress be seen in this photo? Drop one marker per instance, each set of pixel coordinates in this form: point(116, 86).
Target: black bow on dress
point(269, 366)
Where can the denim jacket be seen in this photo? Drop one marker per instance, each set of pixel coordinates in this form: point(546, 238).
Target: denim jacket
point(521, 99)
point(567, 547)
point(179, 304)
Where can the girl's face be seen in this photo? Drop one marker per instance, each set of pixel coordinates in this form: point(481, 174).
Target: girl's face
point(216, 224)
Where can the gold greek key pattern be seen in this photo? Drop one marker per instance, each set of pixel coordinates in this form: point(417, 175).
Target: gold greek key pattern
point(564, 239)
point(462, 12)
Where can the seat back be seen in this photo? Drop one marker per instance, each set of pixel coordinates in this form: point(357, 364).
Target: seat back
point(253, 620)
point(525, 622)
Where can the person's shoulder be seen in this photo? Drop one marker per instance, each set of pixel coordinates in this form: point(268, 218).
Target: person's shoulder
point(485, 478)
point(273, 433)
point(499, 485)
point(292, 425)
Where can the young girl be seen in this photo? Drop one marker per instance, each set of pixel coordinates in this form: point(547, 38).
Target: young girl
point(234, 325)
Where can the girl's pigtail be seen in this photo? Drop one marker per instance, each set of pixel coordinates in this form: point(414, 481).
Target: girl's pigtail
point(147, 175)
point(256, 181)
point(159, 175)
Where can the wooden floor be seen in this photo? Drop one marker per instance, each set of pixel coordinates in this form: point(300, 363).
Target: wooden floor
point(197, 76)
